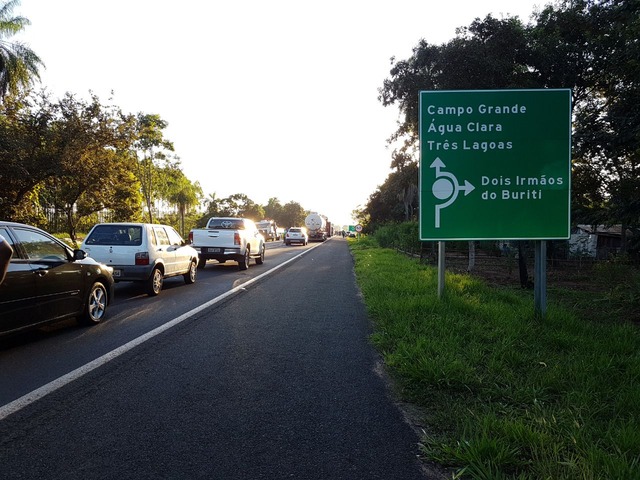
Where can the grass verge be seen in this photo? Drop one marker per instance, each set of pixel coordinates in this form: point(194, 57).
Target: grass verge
point(508, 395)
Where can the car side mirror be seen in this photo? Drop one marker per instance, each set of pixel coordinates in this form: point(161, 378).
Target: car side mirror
point(79, 254)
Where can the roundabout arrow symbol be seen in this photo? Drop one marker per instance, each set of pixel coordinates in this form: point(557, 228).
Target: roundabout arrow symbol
point(446, 187)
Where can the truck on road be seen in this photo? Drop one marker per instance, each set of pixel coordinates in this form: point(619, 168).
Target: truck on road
point(228, 238)
point(318, 227)
point(268, 229)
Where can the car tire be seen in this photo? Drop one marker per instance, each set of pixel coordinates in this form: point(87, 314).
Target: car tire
point(154, 283)
point(190, 276)
point(202, 263)
point(243, 262)
point(260, 258)
point(95, 305)
point(287, 243)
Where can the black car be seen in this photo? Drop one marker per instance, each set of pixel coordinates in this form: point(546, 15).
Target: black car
point(48, 281)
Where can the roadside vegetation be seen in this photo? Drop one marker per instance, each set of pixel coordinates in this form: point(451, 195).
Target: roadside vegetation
point(68, 163)
point(506, 395)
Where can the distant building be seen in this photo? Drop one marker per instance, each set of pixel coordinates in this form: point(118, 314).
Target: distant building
point(596, 241)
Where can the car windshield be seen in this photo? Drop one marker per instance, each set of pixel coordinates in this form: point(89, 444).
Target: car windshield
point(226, 224)
point(295, 230)
point(115, 235)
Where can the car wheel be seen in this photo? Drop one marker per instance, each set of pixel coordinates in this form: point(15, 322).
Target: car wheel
point(260, 259)
point(243, 263)
point(95, 305)
point(287, 243)
point(190, 276)
point(154, 284)
point(202, 262)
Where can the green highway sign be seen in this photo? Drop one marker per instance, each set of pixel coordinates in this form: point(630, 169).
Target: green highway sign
point(495, 164)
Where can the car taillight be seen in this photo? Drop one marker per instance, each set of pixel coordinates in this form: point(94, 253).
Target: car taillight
point(236, 239)
point(190, 237)
point(142, 258)
point(287, 235)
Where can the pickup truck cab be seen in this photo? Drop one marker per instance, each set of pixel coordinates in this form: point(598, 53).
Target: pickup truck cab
point(228, 238)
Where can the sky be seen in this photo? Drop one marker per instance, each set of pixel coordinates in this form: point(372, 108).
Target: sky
point(266, 98)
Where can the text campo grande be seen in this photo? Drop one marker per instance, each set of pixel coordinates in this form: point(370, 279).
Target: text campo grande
point(481, 109)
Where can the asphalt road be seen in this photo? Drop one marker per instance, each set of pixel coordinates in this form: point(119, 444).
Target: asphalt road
point(276, 382)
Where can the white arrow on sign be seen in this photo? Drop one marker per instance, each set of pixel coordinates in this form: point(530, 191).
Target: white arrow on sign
point(446, 187)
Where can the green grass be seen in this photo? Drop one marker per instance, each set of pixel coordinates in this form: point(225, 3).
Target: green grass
point(507, 395)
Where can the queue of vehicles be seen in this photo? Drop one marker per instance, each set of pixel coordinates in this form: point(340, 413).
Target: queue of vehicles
point(48, 281)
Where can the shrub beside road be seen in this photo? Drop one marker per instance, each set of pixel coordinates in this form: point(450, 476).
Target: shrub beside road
point(505, 394)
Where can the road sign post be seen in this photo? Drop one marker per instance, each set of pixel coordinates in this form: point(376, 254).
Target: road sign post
point(495, 165)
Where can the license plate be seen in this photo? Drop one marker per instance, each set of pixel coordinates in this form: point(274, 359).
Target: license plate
point(117, 273)
point(213, 250)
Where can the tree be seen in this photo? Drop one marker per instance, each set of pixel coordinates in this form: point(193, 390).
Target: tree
point(396, 200)
point(610, 133)
point(237, 205)
point(151, 145)
point(95, 159)
point(182, 193)
point(273, 209)
point(489, 54)
point(589, 46)
point(18, 63)
point(29, 155)
point(293, 215)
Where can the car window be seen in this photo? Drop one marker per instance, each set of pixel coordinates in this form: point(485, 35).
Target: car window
point(135, 234)
point(161, 236)
point(295, 230)
point(5, 233)
point(40, 247)
point(115, 235)
point(226, 224)
point(174, 237)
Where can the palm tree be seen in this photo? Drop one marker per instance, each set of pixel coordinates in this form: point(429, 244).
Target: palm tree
point(18, 63)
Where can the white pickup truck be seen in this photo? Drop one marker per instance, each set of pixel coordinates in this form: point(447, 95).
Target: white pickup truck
point(228, 238)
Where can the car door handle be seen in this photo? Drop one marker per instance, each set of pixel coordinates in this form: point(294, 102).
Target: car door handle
point(41, 272)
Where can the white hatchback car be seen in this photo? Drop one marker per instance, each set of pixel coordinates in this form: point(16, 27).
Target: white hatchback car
point(142, 252)
point(296, 235)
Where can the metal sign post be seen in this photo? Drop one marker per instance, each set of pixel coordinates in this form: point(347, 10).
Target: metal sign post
point(441, 267)
point(540, 279)
point(495, 165)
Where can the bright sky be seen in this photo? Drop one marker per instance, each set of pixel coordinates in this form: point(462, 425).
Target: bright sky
point(267, 98)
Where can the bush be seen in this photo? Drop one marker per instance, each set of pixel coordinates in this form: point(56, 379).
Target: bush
point(403, 236)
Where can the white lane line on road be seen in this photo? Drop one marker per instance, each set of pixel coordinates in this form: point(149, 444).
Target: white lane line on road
point(60, 382)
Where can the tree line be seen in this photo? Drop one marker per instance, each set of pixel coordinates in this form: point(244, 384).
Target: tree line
point(589, 46)
point(68, 163)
